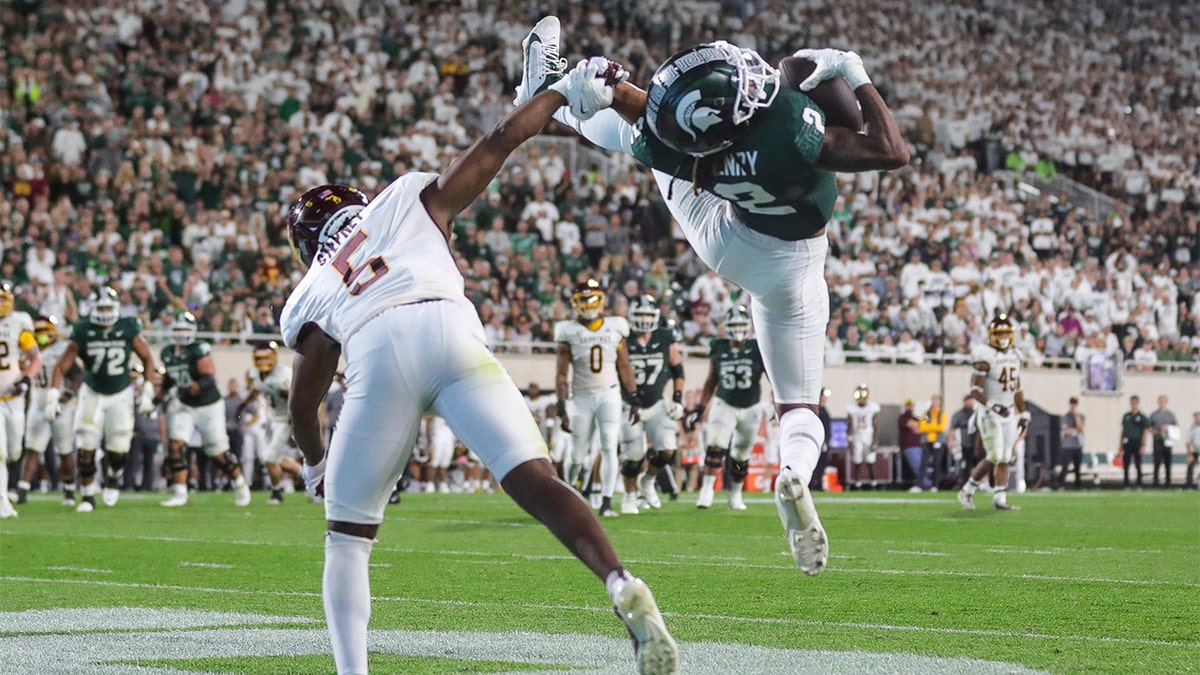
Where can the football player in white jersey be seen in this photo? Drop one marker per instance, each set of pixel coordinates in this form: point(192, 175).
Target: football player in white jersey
point(591, 348)
point(1001, 420)
point(864, 428)
point(269, 383)
point(382, 289)
point(441, 452)
point(20, 361)
point(40, 430)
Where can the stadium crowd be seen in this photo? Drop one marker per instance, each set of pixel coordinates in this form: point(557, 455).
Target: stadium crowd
point(153, 146)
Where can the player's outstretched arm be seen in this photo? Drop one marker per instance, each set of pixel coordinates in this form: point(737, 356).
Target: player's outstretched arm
point(313, 369)
point(881, 148)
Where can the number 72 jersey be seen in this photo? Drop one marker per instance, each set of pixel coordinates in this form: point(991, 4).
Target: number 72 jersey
point(106, 353)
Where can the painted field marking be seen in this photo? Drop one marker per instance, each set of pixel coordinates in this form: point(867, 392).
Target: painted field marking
point(607, 610)
point(85, 570)
point(215, 566)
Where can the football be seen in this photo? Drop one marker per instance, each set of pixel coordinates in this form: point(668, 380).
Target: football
point(833, 96)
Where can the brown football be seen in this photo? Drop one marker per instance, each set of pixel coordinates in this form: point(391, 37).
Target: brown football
point(833, 96)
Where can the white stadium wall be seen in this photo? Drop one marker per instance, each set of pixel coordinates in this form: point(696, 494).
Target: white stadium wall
point(891, 384)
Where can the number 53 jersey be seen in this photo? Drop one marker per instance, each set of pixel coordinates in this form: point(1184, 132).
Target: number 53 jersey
point(393, 254)
point(593, 352)
point(739, 372)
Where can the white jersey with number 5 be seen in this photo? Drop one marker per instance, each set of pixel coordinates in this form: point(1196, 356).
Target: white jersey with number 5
point(593, 352)
point(1003, 374)
point(393, 255)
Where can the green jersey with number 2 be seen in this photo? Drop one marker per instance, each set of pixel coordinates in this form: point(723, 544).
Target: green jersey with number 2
point(739, 372)
point(769, 176)
point(106, 352)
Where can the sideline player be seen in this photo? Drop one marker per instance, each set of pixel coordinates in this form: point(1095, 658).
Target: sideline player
point(655, 359)
point(20, 360)
point(1001, 419)
point(864, 433)
point(735, 381)
point(104, 341)
point(746, 166)
point(269, 383)
point(382, 286)
point(195, 408)
point(40, 431)
point(591, 347)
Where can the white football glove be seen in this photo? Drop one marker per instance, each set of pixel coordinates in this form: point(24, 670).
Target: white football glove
point(314, 479)
point(145, 401)
point(833, 63)
point(675, 410)
point(53, 404)
point(588, 87)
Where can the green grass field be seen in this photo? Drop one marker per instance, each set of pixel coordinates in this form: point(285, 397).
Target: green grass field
point(1072, 583)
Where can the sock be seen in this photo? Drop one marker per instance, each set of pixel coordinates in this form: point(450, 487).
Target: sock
point(971, 486)
point(801, 436)
point(68, 490)
point(179, 489)
point(346, 590)
point(610, 470)
point(89, 490)
point(1000, 496)
point(616, 579)
point(24, 485)
point(708, 483)
point(240, 481)
point(3, 481)
point(735, 490)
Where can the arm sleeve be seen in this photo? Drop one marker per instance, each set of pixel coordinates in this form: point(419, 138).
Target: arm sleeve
point(606, 129)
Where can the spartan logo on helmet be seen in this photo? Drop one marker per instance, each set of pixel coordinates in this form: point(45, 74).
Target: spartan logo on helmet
point(737, 324)
point(318, 215)
point(1000, 332)
point(644, 315)
point(588, 300)
point(104, 307)
point(266, 355)
point(703, 99)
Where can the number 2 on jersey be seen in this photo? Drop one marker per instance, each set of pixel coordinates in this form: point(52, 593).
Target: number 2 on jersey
point(350, 273)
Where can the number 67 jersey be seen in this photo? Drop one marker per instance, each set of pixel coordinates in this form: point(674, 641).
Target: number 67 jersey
point(393, 255)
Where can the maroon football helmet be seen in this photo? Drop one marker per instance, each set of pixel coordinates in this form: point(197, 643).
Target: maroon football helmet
point(318, 214)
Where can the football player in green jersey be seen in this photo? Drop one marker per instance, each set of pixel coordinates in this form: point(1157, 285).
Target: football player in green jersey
point(734, 377)
point(655, 359)
point(746, 166)
point(196, 405)
point(104, 341)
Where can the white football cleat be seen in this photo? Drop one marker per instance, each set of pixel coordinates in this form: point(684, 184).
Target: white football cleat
point(241, 495)
point(705, 499)
point(85, 507)
point(965, 499)
point(443, 488)
point(649, 492)
point(175, 500)
point(735, 501)
point(542, 65)
point(629, 504)
point(805, 535)
point(110, 496)
point(7, 510)
point(657, 653)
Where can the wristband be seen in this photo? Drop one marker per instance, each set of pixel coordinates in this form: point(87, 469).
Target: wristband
point(856, 75)
point(677, 397)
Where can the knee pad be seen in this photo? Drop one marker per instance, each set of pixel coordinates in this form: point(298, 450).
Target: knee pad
point(631, 469)
point(714, 458)
point(176, 464)
point(739, 469)
point(87, 469)
point(225, 464)
point(661, 459)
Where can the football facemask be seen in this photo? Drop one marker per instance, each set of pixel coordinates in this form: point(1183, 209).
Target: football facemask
point(644, 315)
point(105, 308)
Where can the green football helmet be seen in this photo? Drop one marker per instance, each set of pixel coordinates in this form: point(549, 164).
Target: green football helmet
point(704, 98)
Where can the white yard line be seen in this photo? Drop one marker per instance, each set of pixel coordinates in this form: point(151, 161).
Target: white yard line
point(87, 570)
point(606, 610)
point(216, 566)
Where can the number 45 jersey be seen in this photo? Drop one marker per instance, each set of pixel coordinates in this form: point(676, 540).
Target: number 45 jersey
point(1003, 374)
point(739, 372)
point(393, 255)
point(105, 353)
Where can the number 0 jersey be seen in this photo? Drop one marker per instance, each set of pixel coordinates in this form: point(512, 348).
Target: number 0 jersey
point(593, 352)
point(16, 335)
point(394, 254)
point(739, 372)
point(106, 352)
point(1003, 373)
point(769, 176)
point(273, 390)
point(651, 363)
